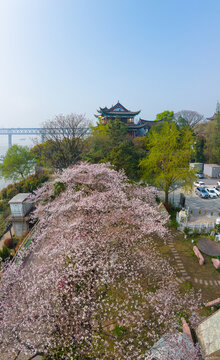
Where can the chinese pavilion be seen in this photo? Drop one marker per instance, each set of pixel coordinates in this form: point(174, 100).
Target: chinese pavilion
point(126, 116)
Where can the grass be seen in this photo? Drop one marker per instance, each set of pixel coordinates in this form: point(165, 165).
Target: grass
point(185, 286)
point(191, 265)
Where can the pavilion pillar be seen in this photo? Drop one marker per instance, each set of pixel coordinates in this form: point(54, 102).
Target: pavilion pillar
point(9, 140)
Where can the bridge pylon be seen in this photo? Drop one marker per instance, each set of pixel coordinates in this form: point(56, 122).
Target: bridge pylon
point(9, 140)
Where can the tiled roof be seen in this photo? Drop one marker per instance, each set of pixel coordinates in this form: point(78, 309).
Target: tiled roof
point(172, 346)
point(208, 332)
point(150, 123)
point(112, 111)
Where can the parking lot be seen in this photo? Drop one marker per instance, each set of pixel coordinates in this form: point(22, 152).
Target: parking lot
point(202, 210)
point(194, 202)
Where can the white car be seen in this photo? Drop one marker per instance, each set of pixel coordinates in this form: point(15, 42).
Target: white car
point(218, 183)
point(212, 193)
point(217, 190)
point(199, 183)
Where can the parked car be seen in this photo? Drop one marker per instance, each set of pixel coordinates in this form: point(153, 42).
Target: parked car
point(200, 176)
point(200, 191)
point(212, 193)
point(199, 183)
point(217, 190)
point(197, 190)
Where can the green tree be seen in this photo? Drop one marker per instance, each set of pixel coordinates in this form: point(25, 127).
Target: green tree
point(216, 142)
point(167, 162)
point(180, 121)
point(124, 156)
point(105, 136)
point(199, 146)
point(18, 163)
point(165, 116)
point(207, 130)
point(100, 128)
point(98, 147)
point(110, 142)
point(117, 131)
point(211, 131)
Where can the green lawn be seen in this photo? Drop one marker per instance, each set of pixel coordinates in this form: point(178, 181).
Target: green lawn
point(207, 271)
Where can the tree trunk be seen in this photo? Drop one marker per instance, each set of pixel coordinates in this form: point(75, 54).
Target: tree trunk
point(166, 201)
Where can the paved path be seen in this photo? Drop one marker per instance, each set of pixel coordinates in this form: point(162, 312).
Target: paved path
point(184, 276)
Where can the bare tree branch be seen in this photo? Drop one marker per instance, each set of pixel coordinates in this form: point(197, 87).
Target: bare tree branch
point(192, 117)
point(64, 135)
point(17, 355)
point(66, 126)
point(37, 354)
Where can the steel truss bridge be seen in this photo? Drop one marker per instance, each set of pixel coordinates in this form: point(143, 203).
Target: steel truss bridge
point(42, 132)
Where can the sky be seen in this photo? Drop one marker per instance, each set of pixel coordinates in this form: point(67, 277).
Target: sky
point(73, 56)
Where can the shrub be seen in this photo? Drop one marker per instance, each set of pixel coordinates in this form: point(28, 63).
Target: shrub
point(203, 231)
point(186, 230)
point(2, 226)
point(3, 193)
point(11, 191)
point(6, 212)
point(173, 224)
point(218, 227)
point(195, 232)
point(119, 330)
point(8, 243)
point(59, 187)
point(158, 200)
point(31, 183)
point(3, 205)
point(5, 253)
point(19, 186)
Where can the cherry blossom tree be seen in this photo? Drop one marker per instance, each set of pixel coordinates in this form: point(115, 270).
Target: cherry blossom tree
point(93, 284)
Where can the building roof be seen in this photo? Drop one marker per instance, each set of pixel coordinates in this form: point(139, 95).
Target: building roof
point(150, 123)
point(173, 347)
point(117, 110)
point(118, 105)
point(208, 332)
point(212, 117)
point(213, 165)
point(19, 198)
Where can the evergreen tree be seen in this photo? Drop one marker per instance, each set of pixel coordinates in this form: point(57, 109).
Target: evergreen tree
point(199, 145)
point(124, 156)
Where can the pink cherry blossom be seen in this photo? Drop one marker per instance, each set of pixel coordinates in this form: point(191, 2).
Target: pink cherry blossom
point(92, 284)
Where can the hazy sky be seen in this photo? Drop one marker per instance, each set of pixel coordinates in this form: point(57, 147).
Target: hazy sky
point(62, 56)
